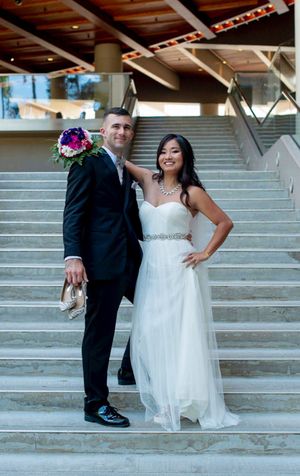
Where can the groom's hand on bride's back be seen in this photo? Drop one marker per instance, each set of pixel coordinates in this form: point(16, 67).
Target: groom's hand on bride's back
point(75, 271)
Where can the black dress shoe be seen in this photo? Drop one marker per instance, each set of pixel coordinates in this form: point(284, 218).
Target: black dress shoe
point(106, 415)
point(125, 377)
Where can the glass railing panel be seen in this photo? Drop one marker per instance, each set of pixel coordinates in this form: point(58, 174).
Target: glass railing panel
point(283, 66)
point(281, 121)
point(261, 90)
point(73, 96)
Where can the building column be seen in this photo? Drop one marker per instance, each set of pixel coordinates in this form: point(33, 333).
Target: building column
point(209, 109)
point(108, 59)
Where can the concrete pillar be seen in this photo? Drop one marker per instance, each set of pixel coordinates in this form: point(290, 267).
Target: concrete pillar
point(58, 92)
point(108, 59)
point(209, 109)
point(58, 88)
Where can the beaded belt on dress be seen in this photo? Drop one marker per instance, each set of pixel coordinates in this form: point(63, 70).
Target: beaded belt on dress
point(163, 236)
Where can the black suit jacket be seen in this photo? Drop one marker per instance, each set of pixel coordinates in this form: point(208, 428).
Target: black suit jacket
point(101, 222)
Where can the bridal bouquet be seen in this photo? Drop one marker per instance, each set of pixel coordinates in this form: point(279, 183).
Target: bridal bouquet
point(73, 145)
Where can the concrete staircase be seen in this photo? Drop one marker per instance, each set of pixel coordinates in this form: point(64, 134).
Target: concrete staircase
point(256, 303)
point(274, 127)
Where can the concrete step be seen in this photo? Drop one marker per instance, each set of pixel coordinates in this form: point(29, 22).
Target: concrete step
point(32, 176)
point(221, 290)
point(32, 194)
point(32, 204)
point(242, 184)
point(259, 433)
point(159, 130)
point(210, 182)
point(171, 464)
point(27, 255)
point(258, 255)
point(41, 315)
point(47, 194)
point(28, 227)
point(61, 177)
point(30, 183)
point(259, 272)
point(258, 214)
point(236, 193)
point(245, 290)
point(66, 361)
point(226, 203)
point(261, 227)
point(206, 166)
point(51, 240)
point(242, 394)
point(225, 255)
point(149, 152)
point(248, 194)
point(202, 156)
point(228, 336)
point(263, 239)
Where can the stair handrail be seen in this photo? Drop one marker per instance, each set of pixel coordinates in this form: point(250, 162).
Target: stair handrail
point(260, 146)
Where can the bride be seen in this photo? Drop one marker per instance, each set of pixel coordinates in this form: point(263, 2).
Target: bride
point(173, 344)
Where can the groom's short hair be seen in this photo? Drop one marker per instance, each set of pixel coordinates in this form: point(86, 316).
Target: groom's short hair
point(118, 111)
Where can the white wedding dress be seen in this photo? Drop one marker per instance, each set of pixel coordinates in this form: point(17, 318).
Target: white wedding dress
point(173, 344)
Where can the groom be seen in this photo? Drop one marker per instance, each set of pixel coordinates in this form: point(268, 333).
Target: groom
point(101, 228)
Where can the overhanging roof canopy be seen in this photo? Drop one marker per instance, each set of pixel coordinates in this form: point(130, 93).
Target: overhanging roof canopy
point(49, 35)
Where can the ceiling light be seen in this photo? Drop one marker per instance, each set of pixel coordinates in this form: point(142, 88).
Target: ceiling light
point(50, 59)
point(224, 62)
point(75, 27)
point(12, 59)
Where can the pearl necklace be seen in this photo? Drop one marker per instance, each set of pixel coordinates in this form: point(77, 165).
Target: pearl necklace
point(164, 192)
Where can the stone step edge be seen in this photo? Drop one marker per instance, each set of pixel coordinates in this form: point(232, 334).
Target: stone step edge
point(118, 358)
point(125, 327)
point(219, 303)
point(46, 190)
point(269, 222)
point(290, 209)
point(241, 283)
point(238, 199)
point(243, 266)
point(233, 234)
point(138, 417)
point(223, 249)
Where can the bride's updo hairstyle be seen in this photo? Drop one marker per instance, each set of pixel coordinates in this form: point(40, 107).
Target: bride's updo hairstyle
point(187, 175)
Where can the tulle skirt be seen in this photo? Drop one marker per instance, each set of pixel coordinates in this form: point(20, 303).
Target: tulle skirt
point(173, 345)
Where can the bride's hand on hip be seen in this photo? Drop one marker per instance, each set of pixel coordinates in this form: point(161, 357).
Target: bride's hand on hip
point(193, 259)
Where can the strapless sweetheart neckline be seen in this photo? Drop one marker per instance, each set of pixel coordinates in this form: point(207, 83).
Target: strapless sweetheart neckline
point(167, 203)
